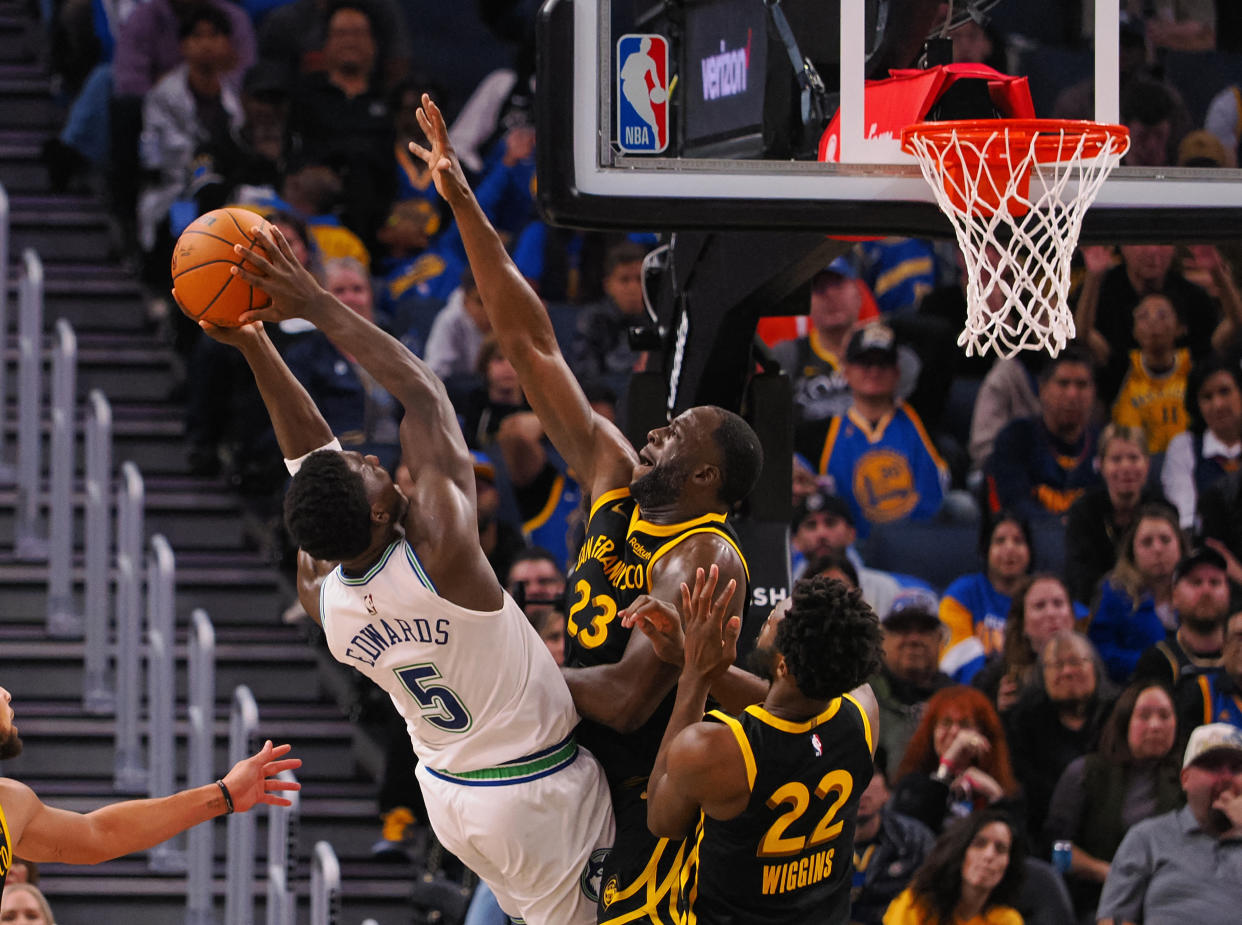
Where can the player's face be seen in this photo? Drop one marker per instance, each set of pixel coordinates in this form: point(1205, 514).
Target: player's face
point(1220, 403)
point(10, 742)
point(763, 658)
point(1124, 468)
point(1046, 611)
point(987, 857)
point(1152, 725)
point(1156, 549)
point(1008, 554)
point(1202, 595)
point(668, 459)
point(375, 479)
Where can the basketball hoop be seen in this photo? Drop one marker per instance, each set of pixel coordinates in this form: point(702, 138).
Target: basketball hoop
point(1016, 191)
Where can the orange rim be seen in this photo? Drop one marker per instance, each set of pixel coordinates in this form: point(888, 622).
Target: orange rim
point(1046, 134)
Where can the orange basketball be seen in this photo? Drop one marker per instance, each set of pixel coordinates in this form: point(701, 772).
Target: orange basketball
point(202, 260)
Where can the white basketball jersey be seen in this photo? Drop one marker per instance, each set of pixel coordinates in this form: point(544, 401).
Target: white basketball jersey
point(476, 689)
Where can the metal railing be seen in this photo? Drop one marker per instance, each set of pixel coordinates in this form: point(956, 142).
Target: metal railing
point(98, 695)
point(282, 837)
point(7, 471)
point(29, 542)
point(63, 618)
point(131, 774)
point(325, 899)
point(168, 857)
point(201, 713)
point(239, 888)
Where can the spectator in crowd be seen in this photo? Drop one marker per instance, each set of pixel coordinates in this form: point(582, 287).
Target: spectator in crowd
point(814, 361)
point(601, 349)
point(975, 606)
point(1009, 391)
point(1100, 518)
point(1201, 602)
point(1135, 609)
point(957, 760)
point(549, 623)
point(888, 849)
point(972, 876)
point(1104, 314)
point(1154, 113)
point(1216, 697)
point(880, 458)
point(1041, 465)
point(1175, 25)
point(1224, 118)
point(1057, 720)
point(1186, 865)
point(1132, 776)
point(359, 411)
point(1041, 608)
point(24, 904)
point(498, 395)
point(907, 679)
point(294, 35)
point(458, 333)
point(1212, 446)
point(1153, 392)
point(535, 577)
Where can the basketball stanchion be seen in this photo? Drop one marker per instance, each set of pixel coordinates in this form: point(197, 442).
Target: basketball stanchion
point(64, 620)
point(1016, 191)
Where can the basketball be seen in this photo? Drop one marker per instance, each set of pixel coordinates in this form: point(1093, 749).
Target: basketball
point(658, 95)
point(202, 261)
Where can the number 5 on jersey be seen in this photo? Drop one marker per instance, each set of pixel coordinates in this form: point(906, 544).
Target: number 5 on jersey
point(440, 706)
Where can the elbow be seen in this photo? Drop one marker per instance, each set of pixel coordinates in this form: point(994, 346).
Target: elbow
point(628, 719)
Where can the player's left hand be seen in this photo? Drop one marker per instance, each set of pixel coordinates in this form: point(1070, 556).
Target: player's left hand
point(273, 267)
point(711, 639)
point(253, 780)
point(660, 622)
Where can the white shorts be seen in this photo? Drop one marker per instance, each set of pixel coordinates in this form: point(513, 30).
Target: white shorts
point(537, 839)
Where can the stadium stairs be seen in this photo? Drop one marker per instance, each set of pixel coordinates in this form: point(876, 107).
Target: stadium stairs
point(302, 695)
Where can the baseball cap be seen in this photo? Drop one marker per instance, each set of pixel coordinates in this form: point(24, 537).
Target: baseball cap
point(1213, 737)
point(483, 465)
point(875, 341)
point(822, 501)
point(1200, 555)
point(913, 608)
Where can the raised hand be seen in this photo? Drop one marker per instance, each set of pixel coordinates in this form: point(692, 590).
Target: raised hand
point(711, 639)
point(253, 780)
point(273, 268)
point(239, 337)
point(658, 621)
point(440, 159)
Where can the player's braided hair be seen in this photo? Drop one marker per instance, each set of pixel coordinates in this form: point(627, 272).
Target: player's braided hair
point(326, 508)
point(830, 638)
point(741, 456)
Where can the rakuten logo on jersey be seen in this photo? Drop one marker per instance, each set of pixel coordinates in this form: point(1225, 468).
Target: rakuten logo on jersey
point(725, 74)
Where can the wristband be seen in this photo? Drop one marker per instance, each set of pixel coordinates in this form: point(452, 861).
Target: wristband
point(228, 797)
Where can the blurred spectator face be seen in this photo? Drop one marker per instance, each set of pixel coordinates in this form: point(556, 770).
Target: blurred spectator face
point(21, 908)
point(1205, 780)
point(297, 244)
point(1008, 554)
point(1069, 670)
point(472, 304)
point(1220, 403)
point(987, 857)
point(1153, 725)
point(1124, 468)
point(804, 482)
point(971, 44)
point(1147, 264)
point(912, 652)
point(1202, 595)
point(349, 44)
point(541, 579)
point(1155, 325)
point(947, 727)
point(1231, 656)
point(553, 635)
point(1046, 611)
point(1149, 144)
point(835, 302)
point(877, 380)
point(1156, 549)
point(625, 287)
point(822, 533)
point(207, 48)
point(352, 288)
point(1067, 396)
point(487, 499)
point(502, 382)
point(869, 806)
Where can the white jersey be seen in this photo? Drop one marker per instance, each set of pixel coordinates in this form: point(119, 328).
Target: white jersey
point(476, 689)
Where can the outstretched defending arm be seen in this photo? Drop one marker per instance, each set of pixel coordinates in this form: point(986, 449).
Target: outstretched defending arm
point(593, 447)
point(43, 833)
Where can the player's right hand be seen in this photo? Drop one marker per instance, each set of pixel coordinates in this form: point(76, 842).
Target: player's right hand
point(273, 267)
point(659, 622)
point(711, 638)
point(441, 159)
point(237, 337)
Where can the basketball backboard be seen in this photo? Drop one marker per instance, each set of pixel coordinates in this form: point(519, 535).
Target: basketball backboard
point(738, 154)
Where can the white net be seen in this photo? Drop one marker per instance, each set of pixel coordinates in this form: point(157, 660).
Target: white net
point(1016, 198)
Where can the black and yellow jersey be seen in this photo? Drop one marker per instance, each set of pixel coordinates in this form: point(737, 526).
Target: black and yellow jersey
point(6, 849)
point(641, 875)
point(787, 858)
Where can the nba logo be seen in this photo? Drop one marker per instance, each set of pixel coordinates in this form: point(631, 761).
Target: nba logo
point(642, 94)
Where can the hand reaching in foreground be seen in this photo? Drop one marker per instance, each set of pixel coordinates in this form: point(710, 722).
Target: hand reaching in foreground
point(253, 780)
point(440, 158)
point(711, 638)
point(660, 622)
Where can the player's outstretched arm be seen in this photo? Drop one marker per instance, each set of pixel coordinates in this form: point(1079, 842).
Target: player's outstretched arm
point(44, 833)
point(593, 448)
point(300, 428)
point(699, 765)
